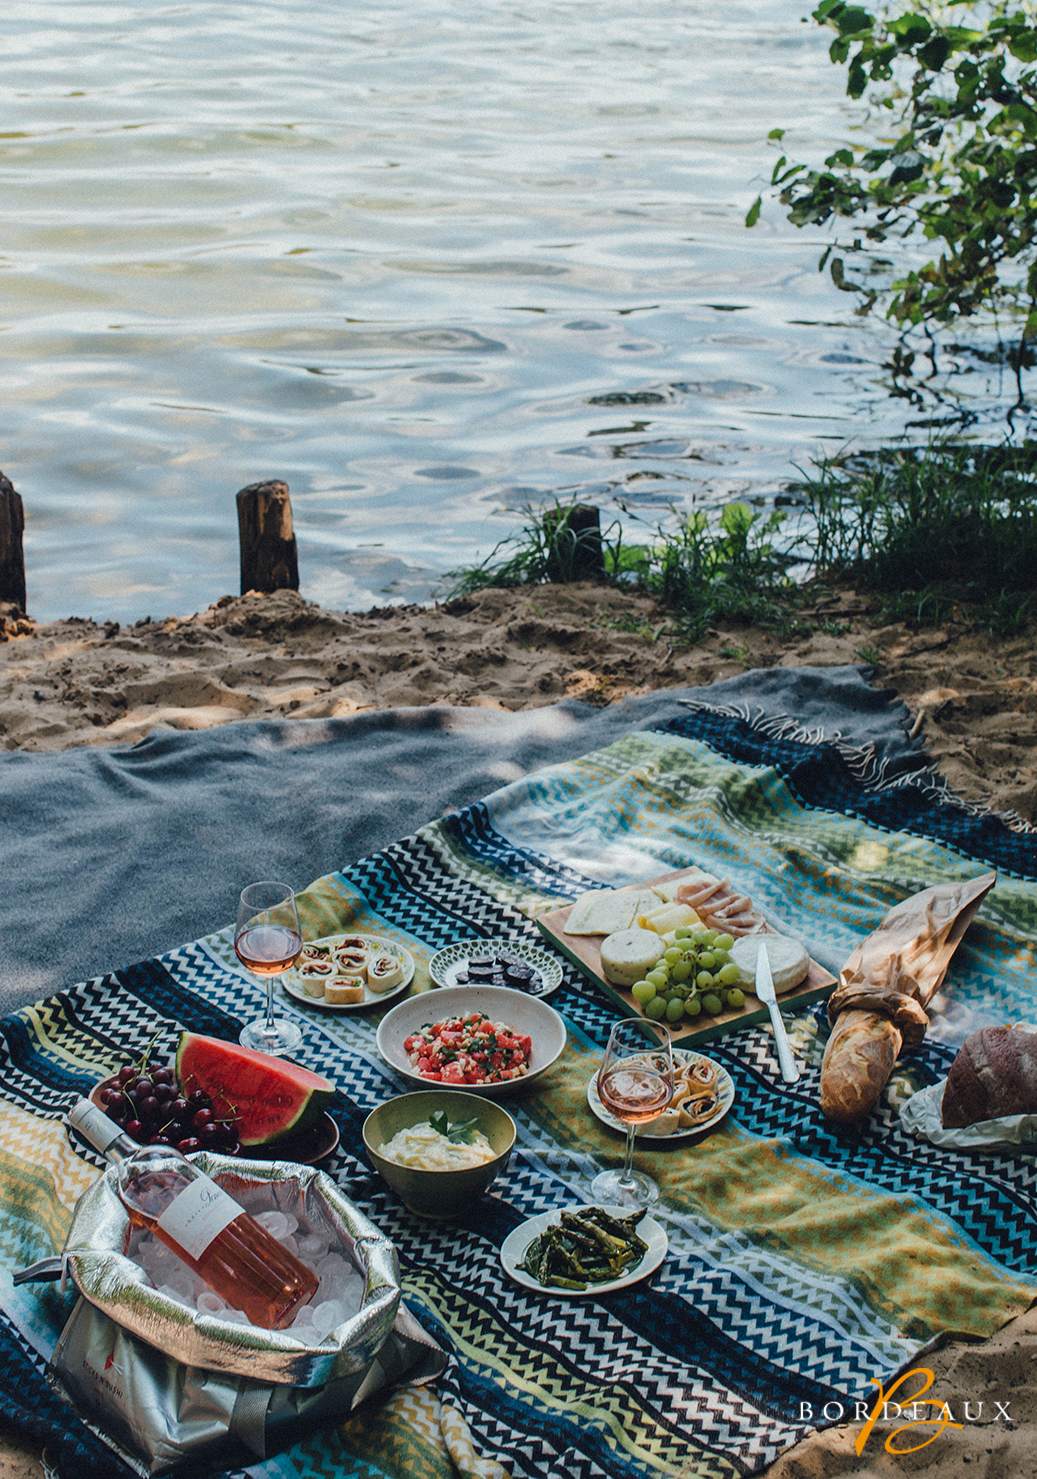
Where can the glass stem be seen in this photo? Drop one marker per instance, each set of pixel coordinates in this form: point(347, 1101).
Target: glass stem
point(270, 1004)
point(627, 1178)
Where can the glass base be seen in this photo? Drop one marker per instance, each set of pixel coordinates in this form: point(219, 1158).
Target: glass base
point(277, 1038)
point(609, 1189)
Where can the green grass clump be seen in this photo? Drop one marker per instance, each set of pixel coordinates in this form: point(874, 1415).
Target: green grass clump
point(930, 528)
point(706, 571)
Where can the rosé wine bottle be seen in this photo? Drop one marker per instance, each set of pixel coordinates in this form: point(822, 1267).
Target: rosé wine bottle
point(201, 1223)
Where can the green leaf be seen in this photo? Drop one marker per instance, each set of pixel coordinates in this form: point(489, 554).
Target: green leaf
point(460, 1133)
point(753, 214)
point(776, 133)
point(934, 53)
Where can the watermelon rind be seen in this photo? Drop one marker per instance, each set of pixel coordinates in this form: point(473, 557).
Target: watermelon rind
point(271, 1099)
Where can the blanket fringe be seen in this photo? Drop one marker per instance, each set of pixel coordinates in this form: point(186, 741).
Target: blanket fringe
point(865, 762)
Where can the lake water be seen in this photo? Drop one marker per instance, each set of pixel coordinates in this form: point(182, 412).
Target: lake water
point(428, 262)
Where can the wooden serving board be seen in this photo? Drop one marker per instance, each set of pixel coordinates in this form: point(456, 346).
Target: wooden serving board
point(585, 953)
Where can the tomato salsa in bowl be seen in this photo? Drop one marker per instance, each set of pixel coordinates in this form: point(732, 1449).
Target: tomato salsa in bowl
point(482, 1039)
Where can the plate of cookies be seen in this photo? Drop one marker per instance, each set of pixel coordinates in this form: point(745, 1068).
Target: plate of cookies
point(347, 973)
point(703, 1092)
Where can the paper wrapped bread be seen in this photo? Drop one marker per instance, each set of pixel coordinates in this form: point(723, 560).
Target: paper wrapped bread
point(994, 1074)
point(884, 988)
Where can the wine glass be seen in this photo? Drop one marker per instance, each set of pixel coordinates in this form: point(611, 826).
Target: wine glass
point(267, 940)
point(635, 1084)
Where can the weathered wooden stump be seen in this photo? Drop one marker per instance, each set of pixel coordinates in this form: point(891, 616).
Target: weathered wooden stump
point(12, 556)
point(575, 543)
point(269, 561)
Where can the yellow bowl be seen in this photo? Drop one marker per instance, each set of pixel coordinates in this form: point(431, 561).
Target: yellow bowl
point(439, 1194)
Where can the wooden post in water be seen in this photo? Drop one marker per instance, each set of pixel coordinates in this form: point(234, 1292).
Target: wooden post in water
point(12, 557)
point(575, 534)
point(269, 561)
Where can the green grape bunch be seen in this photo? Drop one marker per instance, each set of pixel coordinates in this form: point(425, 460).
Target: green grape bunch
point(694, 975)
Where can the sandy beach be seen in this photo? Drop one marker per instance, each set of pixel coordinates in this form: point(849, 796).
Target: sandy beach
point(75, 682)
point(972, 698)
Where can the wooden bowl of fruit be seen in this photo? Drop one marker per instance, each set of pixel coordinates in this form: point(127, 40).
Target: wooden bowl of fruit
point(222, 1097)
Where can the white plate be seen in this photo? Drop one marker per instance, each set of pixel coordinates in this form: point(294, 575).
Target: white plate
point(513, 1250)
point(445, 964)
point(292, 981)
point(516, 1009)
point(725, 1098)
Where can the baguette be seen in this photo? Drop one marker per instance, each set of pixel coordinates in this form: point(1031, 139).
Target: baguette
point(858, 1061)
point(884, 988)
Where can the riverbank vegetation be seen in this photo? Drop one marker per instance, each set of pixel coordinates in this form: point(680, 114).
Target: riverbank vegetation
point(930, 532)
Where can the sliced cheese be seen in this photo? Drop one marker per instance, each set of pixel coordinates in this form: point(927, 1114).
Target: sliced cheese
point(668, 891)
point(602, 911)
point(789, 961)
point(669, 917)
point(627, 954)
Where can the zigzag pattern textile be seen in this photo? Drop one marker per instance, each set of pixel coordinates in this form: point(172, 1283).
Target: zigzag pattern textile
point(804, 1260)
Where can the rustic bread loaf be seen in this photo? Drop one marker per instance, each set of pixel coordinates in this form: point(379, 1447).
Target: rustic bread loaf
point(994, 1074)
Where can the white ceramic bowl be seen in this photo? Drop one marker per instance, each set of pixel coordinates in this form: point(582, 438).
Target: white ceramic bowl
point(525, 1014)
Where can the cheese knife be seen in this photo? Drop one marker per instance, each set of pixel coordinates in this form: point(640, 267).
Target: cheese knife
point(765, 991)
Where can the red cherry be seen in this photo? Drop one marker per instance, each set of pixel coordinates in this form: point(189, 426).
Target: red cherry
point(234, 1148)
point(190, 1145)
point(202, 1118)
point(199, 1098)
point(160, 1140)
point(134, 1129)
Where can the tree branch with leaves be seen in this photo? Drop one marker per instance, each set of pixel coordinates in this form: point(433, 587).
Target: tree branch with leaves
point(960, 171)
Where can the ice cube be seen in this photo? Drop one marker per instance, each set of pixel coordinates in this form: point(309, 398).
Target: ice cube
point(312, 1248)
point(276, 1224)
point(210, 1303)
point(327, 1315)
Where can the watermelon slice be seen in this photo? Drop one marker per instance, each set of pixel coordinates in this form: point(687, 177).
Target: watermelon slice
point(271, 1099)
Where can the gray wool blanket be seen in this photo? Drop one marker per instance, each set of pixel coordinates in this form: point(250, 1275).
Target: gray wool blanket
point(114, 855)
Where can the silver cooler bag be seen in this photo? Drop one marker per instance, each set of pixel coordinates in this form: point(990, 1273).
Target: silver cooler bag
point(162, 1383)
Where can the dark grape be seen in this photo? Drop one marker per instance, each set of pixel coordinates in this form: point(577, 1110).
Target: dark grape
point(163, 1076)
point(125, 1075)
point(110, 1096)
point(164, 1093)
point(148, 1107)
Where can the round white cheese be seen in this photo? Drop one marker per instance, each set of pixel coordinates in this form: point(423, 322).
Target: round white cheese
point(628, 954)
point(789, 961)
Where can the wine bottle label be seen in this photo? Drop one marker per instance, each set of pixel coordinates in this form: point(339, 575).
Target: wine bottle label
point(199, 1214)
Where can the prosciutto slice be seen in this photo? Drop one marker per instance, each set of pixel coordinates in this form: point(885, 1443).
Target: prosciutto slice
point(717, 903)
